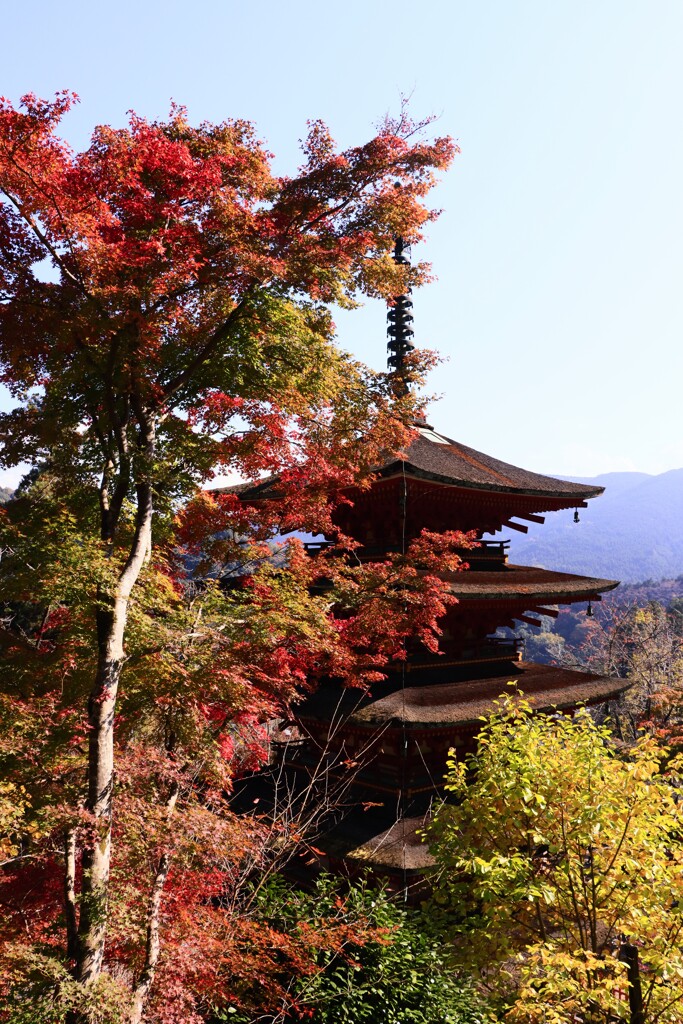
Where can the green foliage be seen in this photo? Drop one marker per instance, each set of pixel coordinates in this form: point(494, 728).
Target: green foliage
point(48, 994)
point(556, 848)
point(388, 969)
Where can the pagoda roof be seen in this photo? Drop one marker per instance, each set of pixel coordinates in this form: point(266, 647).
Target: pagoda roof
point(399, 846)
point(525, 583)
point(434, 456)
point(463, 703)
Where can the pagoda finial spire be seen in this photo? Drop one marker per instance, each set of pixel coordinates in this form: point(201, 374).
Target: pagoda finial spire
point(400, 319)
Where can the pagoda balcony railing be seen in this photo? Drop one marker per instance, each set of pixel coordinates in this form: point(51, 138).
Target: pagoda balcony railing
point(287, 749)
point(493, 547)
point(486, 554)
point(314, 547)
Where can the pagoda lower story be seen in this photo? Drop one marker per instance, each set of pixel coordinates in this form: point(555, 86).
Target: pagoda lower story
point(391, 742)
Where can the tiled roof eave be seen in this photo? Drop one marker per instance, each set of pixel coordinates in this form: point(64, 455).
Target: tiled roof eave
point(461, 703)
point(398, 847)
point(542, 702)
point(526, 583)
point(583, 492)
point(469, 713)
point(536, 595)
point(576, 493)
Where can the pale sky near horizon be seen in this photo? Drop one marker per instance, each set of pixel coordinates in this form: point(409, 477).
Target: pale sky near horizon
point(559, 253)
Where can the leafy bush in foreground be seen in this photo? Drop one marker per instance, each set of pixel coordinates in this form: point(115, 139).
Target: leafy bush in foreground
point(388, 971)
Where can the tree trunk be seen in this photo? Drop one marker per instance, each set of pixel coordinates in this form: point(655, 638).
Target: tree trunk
point(97, 851)
point(628, 954)
point(70, 894)
point(112, 615)
point(153, 945)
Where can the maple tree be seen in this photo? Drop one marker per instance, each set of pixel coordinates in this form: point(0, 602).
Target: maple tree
point(183, 330)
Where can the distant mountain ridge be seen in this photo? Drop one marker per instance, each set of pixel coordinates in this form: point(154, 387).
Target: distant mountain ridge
point(632, 532)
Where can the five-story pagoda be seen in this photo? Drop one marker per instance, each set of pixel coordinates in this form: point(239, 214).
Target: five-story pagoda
point(398, 733)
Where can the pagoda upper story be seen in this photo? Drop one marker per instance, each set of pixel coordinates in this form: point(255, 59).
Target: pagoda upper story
point(440, 484)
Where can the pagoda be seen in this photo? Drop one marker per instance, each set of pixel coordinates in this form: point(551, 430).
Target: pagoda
point(398, 732)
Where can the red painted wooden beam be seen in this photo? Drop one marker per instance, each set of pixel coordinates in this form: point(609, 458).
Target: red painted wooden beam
point(529, 620)
point(530, 517)
point(516, 526)
point(552, 612)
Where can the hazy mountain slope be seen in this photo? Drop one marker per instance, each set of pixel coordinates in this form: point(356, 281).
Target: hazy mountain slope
point(614, 483)
point(633, 532)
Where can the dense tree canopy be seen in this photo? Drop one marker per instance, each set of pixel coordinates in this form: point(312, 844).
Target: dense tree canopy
point(182, 328)
point(560, 856)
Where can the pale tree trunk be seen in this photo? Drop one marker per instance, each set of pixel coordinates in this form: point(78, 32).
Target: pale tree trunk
point(70, 894)
point(112, 616)
point(153, 943)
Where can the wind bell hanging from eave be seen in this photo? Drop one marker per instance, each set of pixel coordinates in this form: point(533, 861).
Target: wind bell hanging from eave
point(400, 331)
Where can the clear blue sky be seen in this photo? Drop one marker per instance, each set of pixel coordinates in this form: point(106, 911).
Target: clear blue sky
point(559, 254)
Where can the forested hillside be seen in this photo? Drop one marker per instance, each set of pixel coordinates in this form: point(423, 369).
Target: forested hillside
point(633, 532)
point(567, 639)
